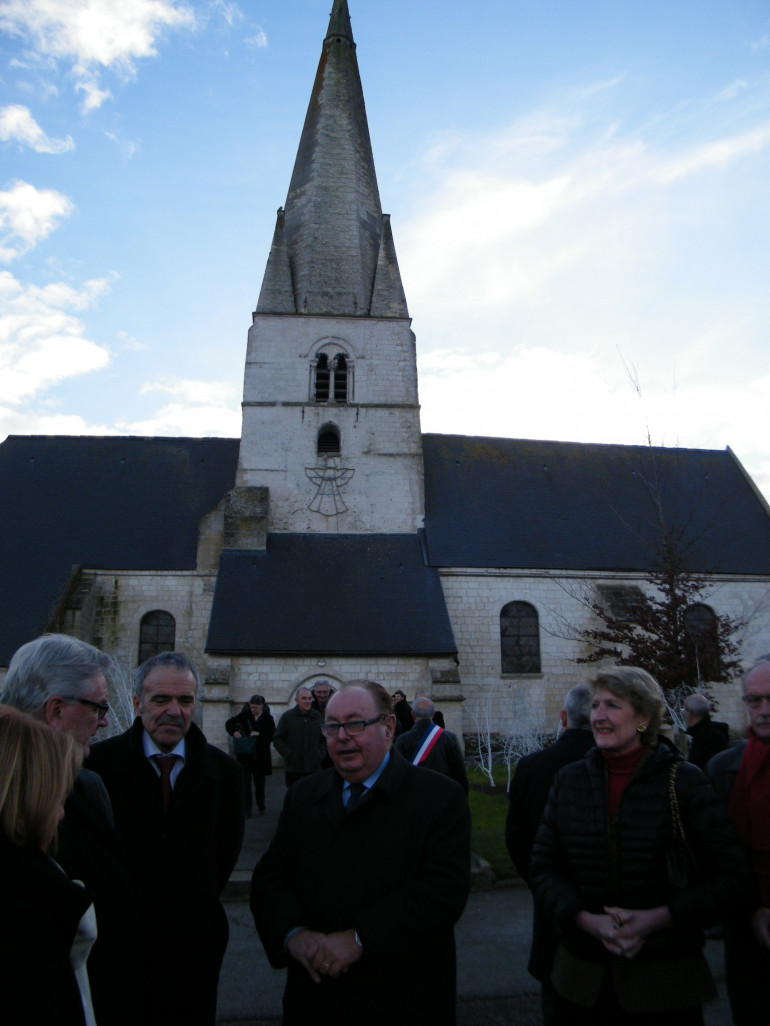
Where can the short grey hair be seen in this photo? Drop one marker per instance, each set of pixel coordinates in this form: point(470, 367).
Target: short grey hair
point(176, 659)
point(577, 706)
point(423, 709)
point(698, 704)
point(762, 660)
point(639, 688)
point(51, 665)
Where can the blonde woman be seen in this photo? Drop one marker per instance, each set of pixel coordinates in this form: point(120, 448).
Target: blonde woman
point(606, 868)
point(48, 925)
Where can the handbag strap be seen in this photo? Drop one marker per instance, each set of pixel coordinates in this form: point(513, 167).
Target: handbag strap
point(674, 800)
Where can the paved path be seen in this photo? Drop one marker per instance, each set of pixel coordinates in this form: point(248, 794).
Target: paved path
point(494, 988)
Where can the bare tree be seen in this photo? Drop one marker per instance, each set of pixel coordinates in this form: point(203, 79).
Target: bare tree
point(505, 739)
point(120, 688)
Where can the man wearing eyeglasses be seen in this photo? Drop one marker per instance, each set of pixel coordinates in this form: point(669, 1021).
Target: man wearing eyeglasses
point(394, 841)
point(742, 777)
point(62, 681)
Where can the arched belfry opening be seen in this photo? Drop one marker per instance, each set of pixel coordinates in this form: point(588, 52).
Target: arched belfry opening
point(329, 441)
point(331, 377)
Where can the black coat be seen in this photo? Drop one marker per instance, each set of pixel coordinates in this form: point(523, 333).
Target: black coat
point(707, 741)
point(396, 869)
point(90, 850)
point(527, 796)
point(244, 723)
point(183, 859)
point(298, 739)
point(40, 909)
point(529, 792)
point(581, 861)
point(445, 756)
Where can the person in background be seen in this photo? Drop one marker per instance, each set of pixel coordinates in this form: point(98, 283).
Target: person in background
point(741, 776)
point(529, 791)
point(706, 738)
point(403, 711)
point(252, 730)
point(427, 744)
point(321, 691)
point(438, 716)
point(610, 868)
point(298, 738)
point(47, 921)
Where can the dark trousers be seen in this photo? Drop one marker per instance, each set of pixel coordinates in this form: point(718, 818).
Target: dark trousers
point(747, 971)
point(251, 775)
point(609, 1013)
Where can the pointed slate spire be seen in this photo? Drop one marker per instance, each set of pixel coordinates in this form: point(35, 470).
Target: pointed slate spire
point(388, 299)
point(332, 229)
point(277, 294)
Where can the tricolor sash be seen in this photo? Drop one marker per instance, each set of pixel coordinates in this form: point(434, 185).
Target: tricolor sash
point(426, 747)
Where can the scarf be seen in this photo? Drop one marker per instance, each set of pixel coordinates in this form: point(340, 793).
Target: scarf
point(750, 809)
point(620, 770)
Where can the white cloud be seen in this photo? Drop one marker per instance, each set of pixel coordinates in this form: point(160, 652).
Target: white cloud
point(201, 408)
point(42, 343)
point(92, 35)
point(189, 421)
point(716, 153)
point(258, 40)
point(548, 394)
point(214, 393)
point(27, 215)
point(16, 122)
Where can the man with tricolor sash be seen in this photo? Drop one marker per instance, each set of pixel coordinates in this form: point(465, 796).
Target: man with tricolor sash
point(429, 745)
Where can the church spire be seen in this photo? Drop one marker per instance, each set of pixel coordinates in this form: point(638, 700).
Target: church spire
point(332, 230)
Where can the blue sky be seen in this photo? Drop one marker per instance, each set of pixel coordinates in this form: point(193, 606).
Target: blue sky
point(579, 196)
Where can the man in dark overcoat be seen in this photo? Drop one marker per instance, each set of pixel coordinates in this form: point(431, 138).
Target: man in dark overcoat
point(706, 738)
point(394, 841)
point(526, 801)
point(433, 746)
point(182, 821)
point(741, 776)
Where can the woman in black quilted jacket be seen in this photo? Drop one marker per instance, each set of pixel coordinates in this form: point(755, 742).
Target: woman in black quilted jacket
point(630, 893)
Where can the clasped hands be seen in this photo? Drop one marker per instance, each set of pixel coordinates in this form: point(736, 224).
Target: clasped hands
point(324, 954)
point(622, 931)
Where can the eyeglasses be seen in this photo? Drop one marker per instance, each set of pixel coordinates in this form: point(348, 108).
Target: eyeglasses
point(352, 727)
point(102, 708)
point(755, 701)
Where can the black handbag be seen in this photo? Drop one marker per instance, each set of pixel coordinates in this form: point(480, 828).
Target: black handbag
point(681, 864)
point(244, 745)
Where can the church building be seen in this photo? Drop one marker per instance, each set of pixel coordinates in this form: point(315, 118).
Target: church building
point(334, 540)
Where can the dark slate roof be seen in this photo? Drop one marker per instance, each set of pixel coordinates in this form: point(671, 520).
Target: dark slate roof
point(119, 503)
point(501, 502)
point(330, 594)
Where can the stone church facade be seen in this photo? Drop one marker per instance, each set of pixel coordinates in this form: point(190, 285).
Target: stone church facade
point(334, 540)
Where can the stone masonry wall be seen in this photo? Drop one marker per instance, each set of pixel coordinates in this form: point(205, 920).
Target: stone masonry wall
point(475, 599)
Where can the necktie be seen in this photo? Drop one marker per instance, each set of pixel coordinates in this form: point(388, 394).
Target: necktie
point(165, 764)
point(355, 792)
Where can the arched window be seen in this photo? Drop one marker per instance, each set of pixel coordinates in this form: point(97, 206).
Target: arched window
point(328, 441)
point(322, 379)
point(157, 633)
point(519, 638)
point(702, 639)
point(340, 378)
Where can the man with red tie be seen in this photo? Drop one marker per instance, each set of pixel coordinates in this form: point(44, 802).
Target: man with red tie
point(178, 803)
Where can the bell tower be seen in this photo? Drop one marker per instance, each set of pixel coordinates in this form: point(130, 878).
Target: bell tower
point(331, 422)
